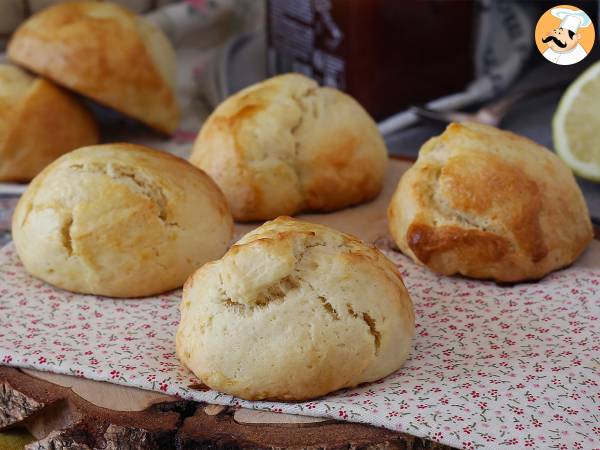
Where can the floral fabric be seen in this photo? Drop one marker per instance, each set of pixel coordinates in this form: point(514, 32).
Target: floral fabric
point(492, 367)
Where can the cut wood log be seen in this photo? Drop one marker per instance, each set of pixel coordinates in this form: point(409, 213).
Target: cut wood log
point(249, 416)
point(62, 419)
point(106, 395)
point(224, 432)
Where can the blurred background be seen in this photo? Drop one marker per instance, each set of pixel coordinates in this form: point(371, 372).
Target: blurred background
point(389, 54)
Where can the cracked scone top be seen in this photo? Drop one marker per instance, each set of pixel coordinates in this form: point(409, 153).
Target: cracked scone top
point(293, 311)
point(286, 145)
point(486, 203)
point(120, 220)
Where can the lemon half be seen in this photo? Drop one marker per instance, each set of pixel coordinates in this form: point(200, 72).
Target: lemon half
point(576, 125)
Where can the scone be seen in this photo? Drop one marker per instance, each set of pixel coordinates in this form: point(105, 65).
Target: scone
point(38, 122)
point(120, 220)
point(286, 145)
point(103, 51)
point(293, 311)
point(487, 203)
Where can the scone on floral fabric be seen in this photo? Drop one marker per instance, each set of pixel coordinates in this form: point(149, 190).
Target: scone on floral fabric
point(293, 311)
point(486, 203)
point(105, 52)
point(120, 220)
point(286, 145)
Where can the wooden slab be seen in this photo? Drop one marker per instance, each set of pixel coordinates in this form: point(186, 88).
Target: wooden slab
point(251, 416)
point(105, 395)
point(61, 419)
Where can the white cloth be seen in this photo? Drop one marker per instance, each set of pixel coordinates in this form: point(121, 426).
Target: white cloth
point(565, 58)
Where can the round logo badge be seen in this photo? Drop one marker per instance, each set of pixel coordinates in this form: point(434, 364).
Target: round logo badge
point(565, 35)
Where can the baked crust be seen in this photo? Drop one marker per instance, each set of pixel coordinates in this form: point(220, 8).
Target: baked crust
point(38, 122)
point(286, 145)
point(293, 311)
point(120, 220)
point(487, 203)
point(103, 51)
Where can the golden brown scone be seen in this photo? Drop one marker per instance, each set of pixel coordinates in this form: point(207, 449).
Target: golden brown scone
point(38, 122)
point(487, 203)
point(294, 311)
point(103, 51)
point(286, 145)
point(120, 220)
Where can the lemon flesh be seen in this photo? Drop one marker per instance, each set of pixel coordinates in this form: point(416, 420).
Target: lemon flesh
point(576, 125)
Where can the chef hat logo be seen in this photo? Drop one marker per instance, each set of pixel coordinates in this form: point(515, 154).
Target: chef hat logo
point(571, 19)
point(565, 34)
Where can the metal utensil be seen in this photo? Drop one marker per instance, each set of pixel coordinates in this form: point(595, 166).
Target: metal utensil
point(489, 114)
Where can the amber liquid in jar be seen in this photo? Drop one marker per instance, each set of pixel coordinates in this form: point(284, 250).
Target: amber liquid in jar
point(387, 54)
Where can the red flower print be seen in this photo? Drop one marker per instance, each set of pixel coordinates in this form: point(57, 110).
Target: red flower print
point(115, 374)
point(41, 360)
point(7, 359)
point(343, 414)
point(163, 386)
